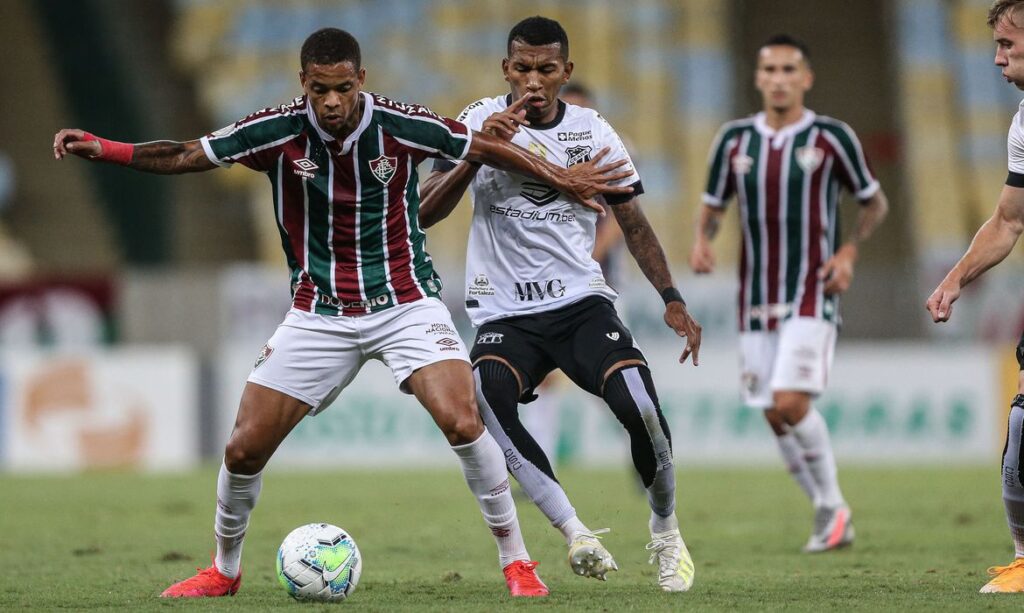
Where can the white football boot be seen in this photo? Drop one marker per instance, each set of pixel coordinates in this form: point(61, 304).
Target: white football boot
point(675, 566)
point(588, 557)
point(833, 529)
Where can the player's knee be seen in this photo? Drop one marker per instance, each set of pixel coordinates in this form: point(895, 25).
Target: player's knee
point(242, 458)
point(775, 421)
point(792, 406)
point(462, 428)
point(498, 383)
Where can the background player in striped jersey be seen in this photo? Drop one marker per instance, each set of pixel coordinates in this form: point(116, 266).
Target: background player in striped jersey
point(541, 302)
point(342, 166)
point(786, 166)
point(993, 242)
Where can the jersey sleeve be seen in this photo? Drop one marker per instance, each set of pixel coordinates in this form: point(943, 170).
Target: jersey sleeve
point(617, 151)
point(854, 170)
point(721, 182)
point(473, 117)
point(420, 129)
point(247, 141)
point(1015, 152)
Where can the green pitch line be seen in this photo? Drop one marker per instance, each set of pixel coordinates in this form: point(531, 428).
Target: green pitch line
point(115, 541)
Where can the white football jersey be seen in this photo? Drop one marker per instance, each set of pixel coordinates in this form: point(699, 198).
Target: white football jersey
point(530, 246)
point(1015, 143)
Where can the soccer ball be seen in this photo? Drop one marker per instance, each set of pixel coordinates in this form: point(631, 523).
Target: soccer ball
point(319, 562)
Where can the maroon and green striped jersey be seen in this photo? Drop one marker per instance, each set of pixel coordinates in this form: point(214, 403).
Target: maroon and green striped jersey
point(347, 210)
point(787, 183)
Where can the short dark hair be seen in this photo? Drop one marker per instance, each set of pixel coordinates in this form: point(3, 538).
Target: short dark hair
point(539, 30)
point(1003, 7)
point(330, 46)
point(785, 40)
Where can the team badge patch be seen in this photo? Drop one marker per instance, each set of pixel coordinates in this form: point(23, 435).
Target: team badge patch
point(262, 357)
point(577, 155)
point(490, 338)
point(809, 158)
point(613, 336)
point(741, 164)
point(384, 168)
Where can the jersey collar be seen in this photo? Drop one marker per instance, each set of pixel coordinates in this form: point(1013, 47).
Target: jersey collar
point(780, 136)
point(364, 121)
point(543, 126)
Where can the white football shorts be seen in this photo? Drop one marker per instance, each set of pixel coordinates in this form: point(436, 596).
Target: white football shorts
point(313, 357)
point(797, 356)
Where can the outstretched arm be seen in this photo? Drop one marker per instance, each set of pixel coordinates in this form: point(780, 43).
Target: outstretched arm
point(649, 256)
point(160, 157)
point(581, 182)
point(993, 242)
point(837, 271)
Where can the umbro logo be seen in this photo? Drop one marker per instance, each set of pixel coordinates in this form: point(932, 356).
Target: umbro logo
point(304, 168)
point(613, 335)
point(448, 344)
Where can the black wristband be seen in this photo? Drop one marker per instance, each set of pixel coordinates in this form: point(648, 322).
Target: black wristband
point(671, 294)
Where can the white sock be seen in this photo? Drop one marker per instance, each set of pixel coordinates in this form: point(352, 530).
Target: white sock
point(659, 524)
point(484, 467)
point(812, 435)
point(236, 496)
point(571, 528)
point(793, 456)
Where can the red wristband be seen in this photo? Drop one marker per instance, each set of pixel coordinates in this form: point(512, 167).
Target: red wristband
point(112, 151)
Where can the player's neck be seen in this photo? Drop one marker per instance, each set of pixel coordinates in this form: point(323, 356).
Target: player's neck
point(777, 119)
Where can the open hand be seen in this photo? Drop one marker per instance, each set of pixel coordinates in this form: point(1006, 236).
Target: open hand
point(585, 180)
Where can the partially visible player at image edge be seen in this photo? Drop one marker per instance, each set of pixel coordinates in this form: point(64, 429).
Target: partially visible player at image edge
point(342, 166)
point(786, 167)
point(993, 242)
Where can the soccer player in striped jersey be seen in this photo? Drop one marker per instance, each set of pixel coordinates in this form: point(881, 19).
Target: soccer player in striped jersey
point(540, 301)
point(786, 166)
point(993, 242)
point(342, 167)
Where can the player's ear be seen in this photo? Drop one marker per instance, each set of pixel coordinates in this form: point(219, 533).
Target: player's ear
point(568, 72)
point(362, 76)
point(302, 78)
point(504, 68)
point(809, 79)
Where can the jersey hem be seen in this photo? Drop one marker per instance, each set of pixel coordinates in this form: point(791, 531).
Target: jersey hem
point(552, 307)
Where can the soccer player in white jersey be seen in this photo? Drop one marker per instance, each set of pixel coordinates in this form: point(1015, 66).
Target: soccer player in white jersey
point(342, 164)
point(787, 166)
point(541, 302)
point(993, 242)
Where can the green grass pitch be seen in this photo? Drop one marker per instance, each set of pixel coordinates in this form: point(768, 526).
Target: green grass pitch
point(114, 541)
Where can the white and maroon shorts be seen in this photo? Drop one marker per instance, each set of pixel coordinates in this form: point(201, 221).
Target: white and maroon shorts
point(313, 357)
point(797, 356)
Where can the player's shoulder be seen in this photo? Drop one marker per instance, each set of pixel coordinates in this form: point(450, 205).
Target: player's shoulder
point(731, 130)
point(1017, 123)
point(403, 110)
point(287, 117)
point(831, 124)
point(487, 105)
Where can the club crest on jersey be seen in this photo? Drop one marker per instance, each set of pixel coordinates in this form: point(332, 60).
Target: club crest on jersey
point(538, 193)
point(262, 357)
point(384, 168)
point(490, 338)
point(809, 158)
point(305, 168)
point(741, 164)
point(577, 155)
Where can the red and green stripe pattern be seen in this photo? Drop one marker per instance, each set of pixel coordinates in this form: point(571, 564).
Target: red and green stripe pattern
point(347, 212)
point(788, 190)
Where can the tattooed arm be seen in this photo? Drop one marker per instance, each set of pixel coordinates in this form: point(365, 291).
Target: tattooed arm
point(159, 157)
point(643, 244)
